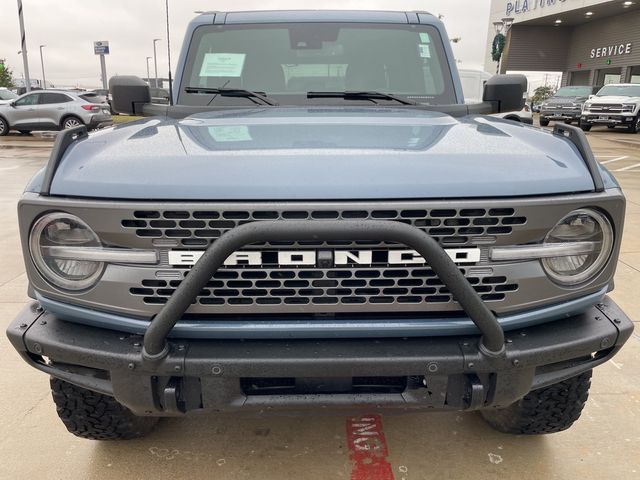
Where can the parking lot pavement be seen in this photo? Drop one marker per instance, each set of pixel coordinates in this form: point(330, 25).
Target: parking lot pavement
point(604, 444)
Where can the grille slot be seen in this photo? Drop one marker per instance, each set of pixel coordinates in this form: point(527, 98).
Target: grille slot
point(418, 286)
point(200, 228)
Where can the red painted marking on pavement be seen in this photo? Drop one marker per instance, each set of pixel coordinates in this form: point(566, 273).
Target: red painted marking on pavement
point(368, 449)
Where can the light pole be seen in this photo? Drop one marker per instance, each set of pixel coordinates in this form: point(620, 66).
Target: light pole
point(148, 74)
point(155, 60)
point(23, 44)
point(44, 81)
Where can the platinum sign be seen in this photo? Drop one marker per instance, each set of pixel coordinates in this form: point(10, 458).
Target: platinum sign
point(522, 6)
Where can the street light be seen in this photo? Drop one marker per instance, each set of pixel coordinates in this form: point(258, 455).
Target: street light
point(155, 60)
point(44, 81)
point(148, 75)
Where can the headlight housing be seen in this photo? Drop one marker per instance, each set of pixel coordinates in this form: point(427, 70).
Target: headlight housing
point(628, 108)
point(64, 230)
point(583, 228)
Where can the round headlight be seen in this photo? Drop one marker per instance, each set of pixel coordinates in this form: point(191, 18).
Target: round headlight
point(580, 226)
point(64, 230)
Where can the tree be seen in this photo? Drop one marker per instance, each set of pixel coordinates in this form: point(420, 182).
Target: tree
point(540, 94)
point(6, 76)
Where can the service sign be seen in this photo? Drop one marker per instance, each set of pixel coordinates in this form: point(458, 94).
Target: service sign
point(101, 48)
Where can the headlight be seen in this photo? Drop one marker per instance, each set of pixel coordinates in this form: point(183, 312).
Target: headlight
point(592, 235)
point(628, 107)
point(586, 106)
point(56, 230)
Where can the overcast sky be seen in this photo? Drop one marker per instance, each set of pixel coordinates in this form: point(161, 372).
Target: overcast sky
point(69, 27)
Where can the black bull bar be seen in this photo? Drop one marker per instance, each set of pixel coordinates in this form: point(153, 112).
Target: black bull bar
point(155, 346)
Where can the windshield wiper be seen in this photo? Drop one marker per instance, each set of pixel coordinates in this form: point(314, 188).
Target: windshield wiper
point(233, 92)
point(364, 95)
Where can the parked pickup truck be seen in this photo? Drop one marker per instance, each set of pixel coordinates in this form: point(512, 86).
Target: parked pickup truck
point(319, 220)
point(566, 104)
point(615, 105)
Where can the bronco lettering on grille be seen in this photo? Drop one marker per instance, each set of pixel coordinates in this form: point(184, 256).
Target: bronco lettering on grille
point(309, 257)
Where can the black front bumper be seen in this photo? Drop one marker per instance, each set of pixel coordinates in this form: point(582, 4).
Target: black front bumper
point(439, 372)
point(608, 119)
point(561, 115)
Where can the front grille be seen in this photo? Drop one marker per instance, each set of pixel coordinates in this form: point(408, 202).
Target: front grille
point(601, 107)
point(415, 285)
point(200, 228)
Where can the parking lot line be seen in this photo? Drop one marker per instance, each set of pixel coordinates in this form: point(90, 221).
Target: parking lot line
point(630, 167)
point(614, 159)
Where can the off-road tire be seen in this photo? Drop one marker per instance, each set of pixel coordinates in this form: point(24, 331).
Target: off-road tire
point(585, 127)
point(544, 122)
point(4, 127)
point(95, 416)
point(550, 409)
point(635, 126)
point(568, 122)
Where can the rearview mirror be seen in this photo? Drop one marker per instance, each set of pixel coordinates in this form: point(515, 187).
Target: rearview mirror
point(505, 92)
point(129, 94)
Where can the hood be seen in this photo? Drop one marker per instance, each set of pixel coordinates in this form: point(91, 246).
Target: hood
point(564, 100)
point(614, 99)
point(320, 154)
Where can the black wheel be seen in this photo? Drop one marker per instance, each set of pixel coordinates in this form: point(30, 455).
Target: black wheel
point(544, 122)
point(95, 416)
point(4, 127)
point(71, 122)
point(547, 410)
point(634, 127)
point(585, 126)
point(25, 132)
point(611, 127)
point(568, 122)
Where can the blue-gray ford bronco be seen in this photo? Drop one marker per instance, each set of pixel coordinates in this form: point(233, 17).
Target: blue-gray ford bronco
point(318, 220)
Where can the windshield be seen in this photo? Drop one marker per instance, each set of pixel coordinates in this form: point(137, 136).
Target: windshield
point(620, 91)
point(7, 95)
point(286, 61)
point(573, 92)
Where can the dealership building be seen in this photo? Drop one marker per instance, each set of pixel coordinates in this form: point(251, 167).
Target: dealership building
point(592, 42)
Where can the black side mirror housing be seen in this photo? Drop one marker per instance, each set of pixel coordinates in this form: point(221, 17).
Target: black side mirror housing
point(12, 104)
point(129, 94)
point(505, 92)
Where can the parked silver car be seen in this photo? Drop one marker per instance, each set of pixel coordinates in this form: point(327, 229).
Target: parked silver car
point(6, 96)
point(53, 110)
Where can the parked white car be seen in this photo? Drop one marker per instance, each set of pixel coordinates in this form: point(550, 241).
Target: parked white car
point(615, 105)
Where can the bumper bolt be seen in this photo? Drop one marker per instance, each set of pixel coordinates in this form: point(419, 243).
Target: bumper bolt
point(617, 320)
point(131, 366)
point(216, 370)
point(37, 348)
point(23, 325)
point(516, 362)
point(604, 343)
point(471, 365)
point(432, 367)
point(177, 368)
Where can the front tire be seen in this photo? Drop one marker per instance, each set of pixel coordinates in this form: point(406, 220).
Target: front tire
point(544, 122)
point(95, 416)
point(71, 122)
point(635, 126)
point(585, 127)
point(4, 127)
point(550, 409)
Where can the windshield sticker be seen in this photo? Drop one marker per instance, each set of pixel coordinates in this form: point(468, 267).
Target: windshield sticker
point(230, 133)
point(425, 51)
point(424, 37)
point(222, 65)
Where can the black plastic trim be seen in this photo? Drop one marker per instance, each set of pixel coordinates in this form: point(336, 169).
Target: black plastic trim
point(579, 139)
point(64, 139)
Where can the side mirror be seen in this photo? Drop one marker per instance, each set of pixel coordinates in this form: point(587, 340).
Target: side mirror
point(506, 92)
point(129, 94)
point(12, 104)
